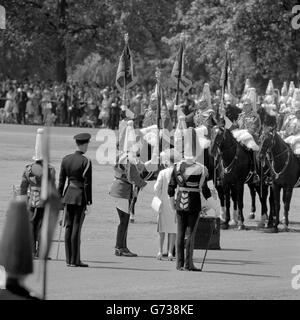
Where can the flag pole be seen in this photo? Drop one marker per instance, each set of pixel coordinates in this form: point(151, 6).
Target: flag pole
point(45, 197)
point(180, 67)
point(158, 118)
point(126, 38)
point(224, 80)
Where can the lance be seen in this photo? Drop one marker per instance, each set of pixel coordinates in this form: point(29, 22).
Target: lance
point(158, 118)
point(180, 69)
point(224, 81)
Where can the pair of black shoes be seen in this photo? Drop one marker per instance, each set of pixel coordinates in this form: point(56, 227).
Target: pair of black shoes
point(188, 269)
point(125, 252)
point(80, 265)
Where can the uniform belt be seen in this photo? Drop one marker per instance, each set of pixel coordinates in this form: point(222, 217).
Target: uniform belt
point(123, 180)
point(76, 184)
point(189, 189)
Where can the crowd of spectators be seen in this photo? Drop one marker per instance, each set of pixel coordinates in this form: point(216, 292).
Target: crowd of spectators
point(72, 104)
point(80, 105)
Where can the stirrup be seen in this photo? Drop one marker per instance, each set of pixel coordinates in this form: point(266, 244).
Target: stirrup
point(255, 179)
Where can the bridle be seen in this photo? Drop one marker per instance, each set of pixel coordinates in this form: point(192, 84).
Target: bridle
point(228, 169)
point(272, 157)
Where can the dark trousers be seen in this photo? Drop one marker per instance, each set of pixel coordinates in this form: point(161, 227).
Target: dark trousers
point(186, 222)
point(36, 220)
point(121, 241)
point(114, 120)
point(22, 111)
point(73, 223)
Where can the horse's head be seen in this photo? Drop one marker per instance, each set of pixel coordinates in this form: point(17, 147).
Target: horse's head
point(217, 138)
point(266, 142)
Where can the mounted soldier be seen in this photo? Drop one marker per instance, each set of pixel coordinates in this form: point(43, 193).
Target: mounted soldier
point(283, 104)
point(292, 132)
point(269, 101)
point(205, 113)
point(250, 121)
point(288, 110)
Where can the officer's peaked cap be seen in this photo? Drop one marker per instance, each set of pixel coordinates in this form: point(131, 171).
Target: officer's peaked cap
point(81, 137)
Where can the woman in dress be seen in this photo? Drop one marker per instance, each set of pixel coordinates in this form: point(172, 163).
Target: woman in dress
point(166, 215)
point(29, 106)
point(10, 105)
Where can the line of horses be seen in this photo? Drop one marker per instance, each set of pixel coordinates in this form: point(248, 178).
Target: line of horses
point(230, 167)
point(277, 165)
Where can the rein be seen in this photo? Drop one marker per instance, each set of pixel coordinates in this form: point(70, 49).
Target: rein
point(228, 169)
point(272, 159)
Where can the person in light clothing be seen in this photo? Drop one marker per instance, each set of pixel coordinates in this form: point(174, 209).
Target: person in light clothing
point(166, 216)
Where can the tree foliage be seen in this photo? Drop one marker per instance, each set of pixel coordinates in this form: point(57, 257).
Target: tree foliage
point(50, 38)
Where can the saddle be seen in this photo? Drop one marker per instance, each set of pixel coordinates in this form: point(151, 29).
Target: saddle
point(294, 142)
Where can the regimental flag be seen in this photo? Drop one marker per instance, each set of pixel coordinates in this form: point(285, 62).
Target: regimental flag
point(178, 71)
point(126, 76)
point(178, 68)
point(226, 74)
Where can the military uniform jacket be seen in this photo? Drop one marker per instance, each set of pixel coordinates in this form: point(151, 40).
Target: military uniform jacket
point(32, 181)
point(76, 169)
point(251, 122)
point(293, 127)
point(126, 175)
point(189, 176)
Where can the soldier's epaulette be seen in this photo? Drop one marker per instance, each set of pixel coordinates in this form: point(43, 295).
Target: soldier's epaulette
point(204, 169)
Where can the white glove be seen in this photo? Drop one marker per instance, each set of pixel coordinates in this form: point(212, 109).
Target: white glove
point(212, 204)
point(88, 210)
point(214, 194)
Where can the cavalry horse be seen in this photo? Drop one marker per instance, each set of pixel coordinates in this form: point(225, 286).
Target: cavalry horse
point(285, 172)
point(225, 195)
point(236, 162)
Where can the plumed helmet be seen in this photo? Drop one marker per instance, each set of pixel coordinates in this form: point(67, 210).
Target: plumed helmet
point(16, 243)
point(270, 88)
point(284, 90)
point(205, 100)
point(39, 145)
point(296, 100)
point(291, 89)
point(284, 94)
point(190, 144)
point(251, 98)
point(247, 87)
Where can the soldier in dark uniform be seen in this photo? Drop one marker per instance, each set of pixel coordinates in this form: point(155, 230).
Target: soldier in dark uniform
point(190, 180)
point(77, 196)
point(31, 189)
point(188, 108)
point(15, 252)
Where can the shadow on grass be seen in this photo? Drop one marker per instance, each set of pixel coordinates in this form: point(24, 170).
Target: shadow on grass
point(229, 262)
point(86, 261)
point(129, 269)
point(243, 274)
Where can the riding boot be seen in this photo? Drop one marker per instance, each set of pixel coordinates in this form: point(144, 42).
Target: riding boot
point(255, 179)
